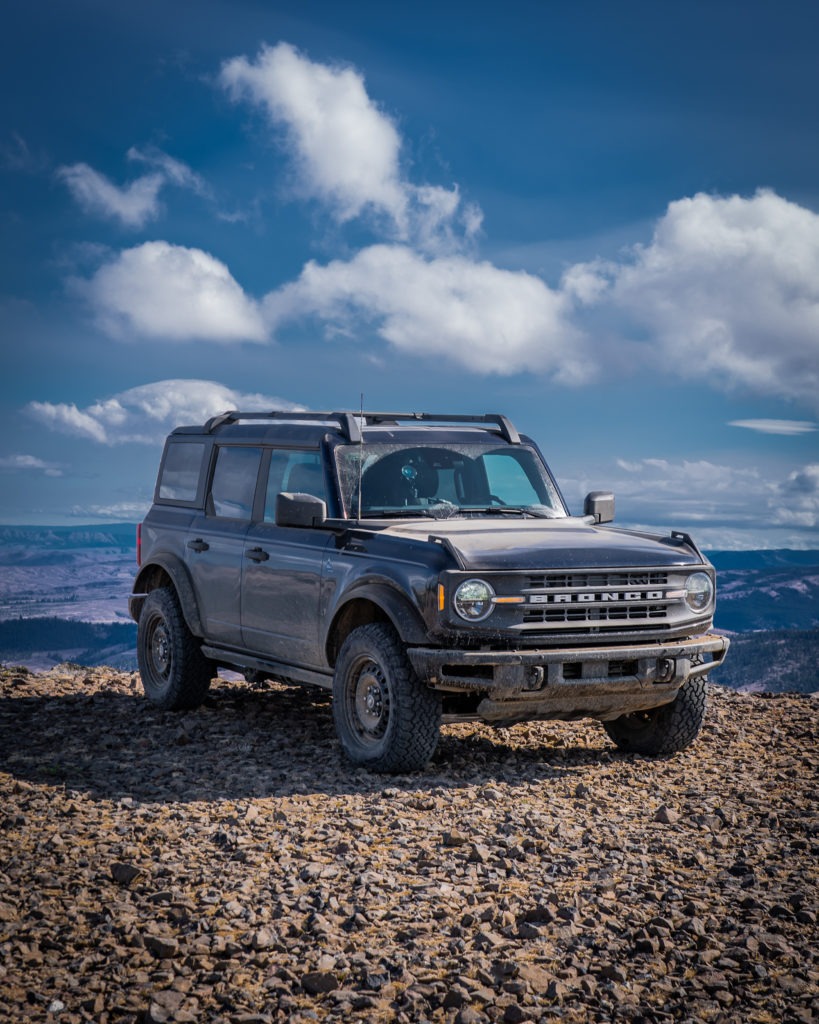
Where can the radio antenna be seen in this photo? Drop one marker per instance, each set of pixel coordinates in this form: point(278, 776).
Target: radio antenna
point(361, 455)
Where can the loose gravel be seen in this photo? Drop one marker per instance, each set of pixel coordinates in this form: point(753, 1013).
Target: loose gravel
point(227, 865)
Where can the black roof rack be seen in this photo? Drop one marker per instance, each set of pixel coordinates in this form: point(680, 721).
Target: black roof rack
point(346, 420)
point(508, 432)
point(350, 421)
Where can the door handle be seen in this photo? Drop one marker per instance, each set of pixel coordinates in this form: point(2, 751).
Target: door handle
point(257, 554)
point(198, 545)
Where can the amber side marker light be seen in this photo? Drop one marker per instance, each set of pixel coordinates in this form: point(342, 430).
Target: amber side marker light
point(441, 597)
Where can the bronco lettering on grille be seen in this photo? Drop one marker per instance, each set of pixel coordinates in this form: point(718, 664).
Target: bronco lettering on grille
point(587, 598)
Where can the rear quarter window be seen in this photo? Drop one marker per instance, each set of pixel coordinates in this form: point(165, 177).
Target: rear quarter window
point(181, 471)
point(234, 481)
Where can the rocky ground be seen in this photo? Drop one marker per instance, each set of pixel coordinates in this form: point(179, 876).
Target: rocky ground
point(227, 865)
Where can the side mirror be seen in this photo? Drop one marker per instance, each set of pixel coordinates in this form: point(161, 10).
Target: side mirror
point(299, 510)
point(599, 505)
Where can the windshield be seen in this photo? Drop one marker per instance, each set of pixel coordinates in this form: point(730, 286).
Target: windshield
point(444, 481)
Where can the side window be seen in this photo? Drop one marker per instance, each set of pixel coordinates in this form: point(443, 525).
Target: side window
point(298, 472)
point(234, 481)
point(180, 472)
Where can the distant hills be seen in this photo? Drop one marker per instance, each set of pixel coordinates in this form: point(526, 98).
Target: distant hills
point(64, 597)
point(763, 590)
point(48, 641)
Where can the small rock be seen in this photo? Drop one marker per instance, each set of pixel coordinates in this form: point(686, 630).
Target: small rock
point(455, 998)
point(319, 982)
point(515, 1014)
point(536, 977)
point(479, 854)
point(264, 938)
point(376, 979)
point(667, 815)
point(469, 1015)
point(162, 947)
point(613, 972)
point(124, 874)
point(8, 912)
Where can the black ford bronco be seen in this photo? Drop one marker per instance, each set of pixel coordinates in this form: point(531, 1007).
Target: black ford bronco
point(424, 567)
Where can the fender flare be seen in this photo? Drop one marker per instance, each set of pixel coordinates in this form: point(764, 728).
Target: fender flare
point(394, 605)
point(180, 577)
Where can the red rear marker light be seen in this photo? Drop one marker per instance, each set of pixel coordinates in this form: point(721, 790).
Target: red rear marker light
point(139, 543)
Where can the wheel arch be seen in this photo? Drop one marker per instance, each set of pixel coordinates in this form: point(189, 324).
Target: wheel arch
point(167, 571)
point(374, 603)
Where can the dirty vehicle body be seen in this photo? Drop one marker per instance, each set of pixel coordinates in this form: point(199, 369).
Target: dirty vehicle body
point(427, 570)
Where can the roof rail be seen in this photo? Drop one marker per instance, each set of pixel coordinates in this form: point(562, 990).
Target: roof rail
point(508, 432)
point(346, 420)
point(350, 422)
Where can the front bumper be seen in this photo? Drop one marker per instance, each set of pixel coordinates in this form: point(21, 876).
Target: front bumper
point(597, 682)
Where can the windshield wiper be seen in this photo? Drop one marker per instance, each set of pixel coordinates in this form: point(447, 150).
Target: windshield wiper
point(400, 513)
point(503, 510)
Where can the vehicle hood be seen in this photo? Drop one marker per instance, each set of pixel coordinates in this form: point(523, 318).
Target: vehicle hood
point(546, 544)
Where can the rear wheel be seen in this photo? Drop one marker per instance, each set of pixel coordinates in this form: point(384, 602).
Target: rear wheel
point(175, 674)
point(663, 730)
point(385, 717)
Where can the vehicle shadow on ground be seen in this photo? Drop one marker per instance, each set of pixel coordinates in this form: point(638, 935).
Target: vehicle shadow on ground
point(246, 743)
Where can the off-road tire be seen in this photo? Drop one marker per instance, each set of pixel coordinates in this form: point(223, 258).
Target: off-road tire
point(664, 730)
point(175, 674)
point(386, 719)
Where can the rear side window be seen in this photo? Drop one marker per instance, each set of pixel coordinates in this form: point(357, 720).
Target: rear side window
point(180, 472)
point(234, 481)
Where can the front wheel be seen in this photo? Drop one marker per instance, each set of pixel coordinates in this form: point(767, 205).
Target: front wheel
point(664, 730)
point(385, 717)
point(175, 674)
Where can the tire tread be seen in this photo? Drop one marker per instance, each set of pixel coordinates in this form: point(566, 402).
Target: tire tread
point(191, 672)
point(670, 728)
point(415, 732)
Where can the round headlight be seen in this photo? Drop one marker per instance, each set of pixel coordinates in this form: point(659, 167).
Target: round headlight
point(699, 591)
point(473, 600)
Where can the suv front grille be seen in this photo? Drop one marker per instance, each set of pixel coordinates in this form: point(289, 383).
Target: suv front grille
point(594, 616)
point(593, 601)
point(603, 580)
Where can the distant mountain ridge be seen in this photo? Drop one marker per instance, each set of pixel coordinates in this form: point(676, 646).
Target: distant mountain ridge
point(763, 558)
point(765, 590)
point(122, 535)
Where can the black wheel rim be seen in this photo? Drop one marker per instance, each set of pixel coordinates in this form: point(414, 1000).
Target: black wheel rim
point(368, 702)
point(159, 650)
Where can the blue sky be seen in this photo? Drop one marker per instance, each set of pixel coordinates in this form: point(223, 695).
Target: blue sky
point(599, 219)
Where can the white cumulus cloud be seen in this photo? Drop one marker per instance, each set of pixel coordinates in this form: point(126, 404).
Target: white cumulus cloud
point(346, 150)
point(800, 497)
point(159, 290)
point(28, 463)
point(136, 203)
point(700, 495)
point(728, 290)
point(146, 414)
point(175, 171)
point(473, 314)
point(132, 205)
